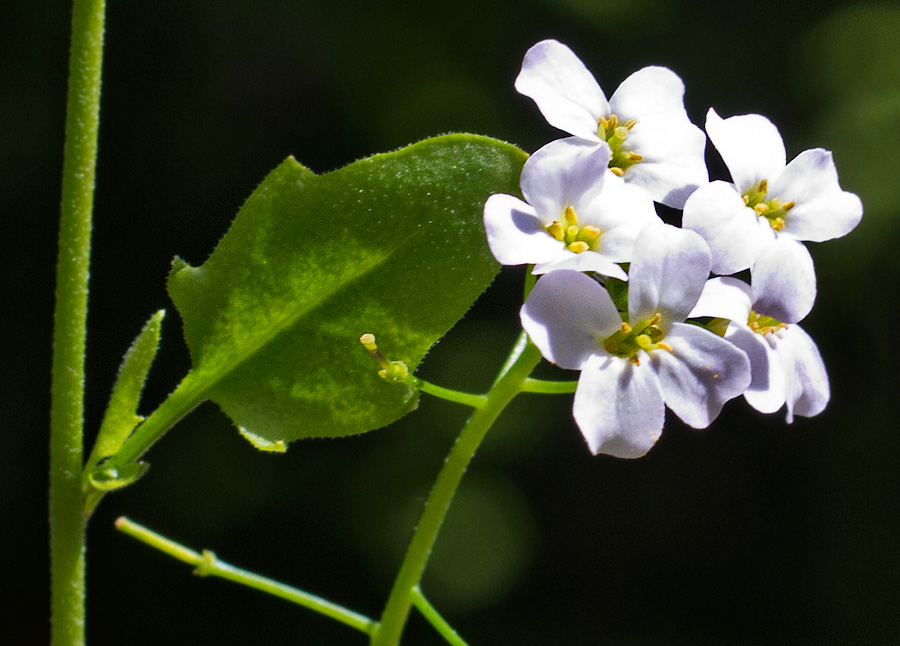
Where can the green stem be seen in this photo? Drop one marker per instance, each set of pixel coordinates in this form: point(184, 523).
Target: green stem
point(396, 611)
point(456, 396)
point(208, 564)
point(549, 387)
point(434, 617)
point(67, 523)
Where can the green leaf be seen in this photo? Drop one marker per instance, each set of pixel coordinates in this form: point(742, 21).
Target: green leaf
point(121, 413)
point(392, 245)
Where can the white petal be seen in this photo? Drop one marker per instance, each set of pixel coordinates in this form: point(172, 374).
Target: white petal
point(768, 386)
point(565, 92)
point(565, 172)
point(618, 407)
point(567, 315)
point(750, 146)
point(672, 147)
point(584, 261)
point(783, 281)
point(734, 232)
point(724, 297)
point(823, 211)
point(620, 211)
point(515, 234)
point(700, 374)
point(808, 389)
point(667, 274)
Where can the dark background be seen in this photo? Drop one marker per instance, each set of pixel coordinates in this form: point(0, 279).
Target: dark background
point(752, 532)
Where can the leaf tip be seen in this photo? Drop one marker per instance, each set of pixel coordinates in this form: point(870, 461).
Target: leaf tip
point(261, 443)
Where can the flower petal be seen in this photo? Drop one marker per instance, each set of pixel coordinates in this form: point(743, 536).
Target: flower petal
point(618, 407)
point(565, 92)
point(724, 297)
point(672, 147)
point(734, 232)
point(783, 280)
point(567, 315)
point(584, 261)
point(768, 386)
point(750, 145)
point(808, 388)
point(620, 211)
point(823, 211)
point(667, 274)
point(565, 172)
point(515, 234)
point(700, 374)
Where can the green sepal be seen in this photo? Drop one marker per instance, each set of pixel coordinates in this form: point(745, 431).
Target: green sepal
point(392, 245)
point(121, 417)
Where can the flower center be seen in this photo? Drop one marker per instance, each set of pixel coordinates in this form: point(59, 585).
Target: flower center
point(772, 209)
point(764, 324)
point(628, 341)
point(611, 132)
point(576, 238)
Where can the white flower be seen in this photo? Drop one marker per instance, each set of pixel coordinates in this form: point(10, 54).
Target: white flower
point(630, 371)
point(579, 215)
point(654, 144)
point(785, 363)
point(758, 221)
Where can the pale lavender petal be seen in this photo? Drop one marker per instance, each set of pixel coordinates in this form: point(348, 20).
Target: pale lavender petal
point(667, 274)
point(808, 388)
point(672, 147)
point(620, 211)
point(565, 92)
point(700, 374)
point(724, 297)
point(783, 281)
point(734, 232)
point(567, 315)
point(618, 407)
point(564, 173)
point(515, 234)
point(823, 211)
point(750, 145)
point(584, 261)
point(768, 387)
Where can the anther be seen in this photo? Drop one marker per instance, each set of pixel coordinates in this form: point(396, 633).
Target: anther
point(761, 208)
point(764, 186)
point(635, 157)
point(590, 232)
point(664, 346)
point(788, 206)
point(577, 246)
point(777, 223)
point(569, 216)
point(613, 121)
point(556, 230)
point(747, 200)
point(656, 319)
point(617, 171)
point(626, 328)
point(631, 123)
point(604, 123)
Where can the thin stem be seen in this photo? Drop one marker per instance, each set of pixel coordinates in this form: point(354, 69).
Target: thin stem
point(67, 523)
point(208, 564)
point(467, 399)
point(434, 617)
point(396, 611)
point(549, 387)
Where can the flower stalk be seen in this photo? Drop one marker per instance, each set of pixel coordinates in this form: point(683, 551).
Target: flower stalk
point(67, 522)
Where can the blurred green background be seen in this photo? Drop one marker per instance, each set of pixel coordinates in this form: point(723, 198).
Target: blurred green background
point(751, 532)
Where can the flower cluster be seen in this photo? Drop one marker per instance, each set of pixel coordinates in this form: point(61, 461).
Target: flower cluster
point(627, 299)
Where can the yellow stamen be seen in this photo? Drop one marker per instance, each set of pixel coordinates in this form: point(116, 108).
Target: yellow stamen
point(604, 123)
point(613, 121)
point(777, 223)
point(626, 328)
point(788, 206)
point(635, 157)
point(761, 208)
point(764, 186)
point(665, 346)
point(556, 231)
point(747, 200)
point(617, 171)
point(656, 319)
point(630, 123)
point(577, 247)
point(570, 216)
point(590, 232)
